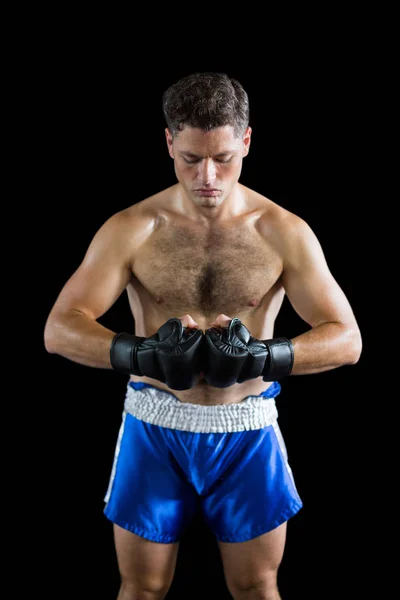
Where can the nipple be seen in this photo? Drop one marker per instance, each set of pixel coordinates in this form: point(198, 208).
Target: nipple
point(253, 302)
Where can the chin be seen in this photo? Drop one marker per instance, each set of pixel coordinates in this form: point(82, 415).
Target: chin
point(209, 202)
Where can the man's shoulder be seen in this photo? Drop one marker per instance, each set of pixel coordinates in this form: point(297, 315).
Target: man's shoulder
point(147, 209)
point(280, 227)
point(143, 212)
point(275, 219)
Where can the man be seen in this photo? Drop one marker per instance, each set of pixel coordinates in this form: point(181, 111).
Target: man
point(200, 423)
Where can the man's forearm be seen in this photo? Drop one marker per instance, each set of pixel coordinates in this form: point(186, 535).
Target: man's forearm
point(79, 338)
point(325, 347)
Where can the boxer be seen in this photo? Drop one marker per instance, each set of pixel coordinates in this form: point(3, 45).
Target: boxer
point(199, 428)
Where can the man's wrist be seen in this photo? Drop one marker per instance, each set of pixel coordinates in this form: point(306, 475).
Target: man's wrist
point(123, 353)
point(279, 362)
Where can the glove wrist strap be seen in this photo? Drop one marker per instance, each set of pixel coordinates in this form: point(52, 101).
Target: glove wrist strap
point(123, 353)
point(280, 359)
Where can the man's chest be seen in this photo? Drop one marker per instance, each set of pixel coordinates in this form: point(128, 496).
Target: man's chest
point(226, 270)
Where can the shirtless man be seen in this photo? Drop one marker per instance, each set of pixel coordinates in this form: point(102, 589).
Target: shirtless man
point(200, 421)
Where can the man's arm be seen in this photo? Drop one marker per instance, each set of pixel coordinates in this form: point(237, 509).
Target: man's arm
point(71, 328)
point(334, 339)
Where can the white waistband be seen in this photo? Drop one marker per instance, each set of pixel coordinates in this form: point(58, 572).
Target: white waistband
point(159, 407)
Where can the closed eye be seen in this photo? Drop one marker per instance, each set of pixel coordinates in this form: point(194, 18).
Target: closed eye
point(196, 160)
point(226, 160)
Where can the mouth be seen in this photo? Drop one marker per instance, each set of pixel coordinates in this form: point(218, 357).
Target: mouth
point(207, 193)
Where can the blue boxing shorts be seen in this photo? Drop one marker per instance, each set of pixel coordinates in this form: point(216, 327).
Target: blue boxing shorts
point(174, 459)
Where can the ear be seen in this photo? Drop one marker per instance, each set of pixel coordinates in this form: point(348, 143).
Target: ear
point(246, 141)
point(168, 136)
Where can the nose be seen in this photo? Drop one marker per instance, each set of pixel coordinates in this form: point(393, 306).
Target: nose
point(207, 172)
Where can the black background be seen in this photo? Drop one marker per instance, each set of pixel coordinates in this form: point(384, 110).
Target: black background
point(96, 140)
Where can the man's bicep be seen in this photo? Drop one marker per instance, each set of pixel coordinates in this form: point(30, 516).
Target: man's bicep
point(92, 290)
point(101, 277)
point(309, 284)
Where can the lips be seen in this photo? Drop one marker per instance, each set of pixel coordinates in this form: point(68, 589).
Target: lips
point(207, 193)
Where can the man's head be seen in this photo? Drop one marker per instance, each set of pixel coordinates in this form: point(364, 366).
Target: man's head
point(207, 133)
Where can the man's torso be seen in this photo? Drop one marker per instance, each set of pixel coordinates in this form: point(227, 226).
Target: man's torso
point(183, 267)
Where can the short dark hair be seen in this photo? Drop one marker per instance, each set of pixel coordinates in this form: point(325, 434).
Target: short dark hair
point(206, 100)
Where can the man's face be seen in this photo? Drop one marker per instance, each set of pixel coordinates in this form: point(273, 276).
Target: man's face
point(208, 163)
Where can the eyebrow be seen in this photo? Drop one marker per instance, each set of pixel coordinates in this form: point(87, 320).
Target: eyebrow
point(220, 154)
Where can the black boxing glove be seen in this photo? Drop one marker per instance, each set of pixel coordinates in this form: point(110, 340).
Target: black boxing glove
point(232, 355)
point(172, 355)
point(279, 361)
